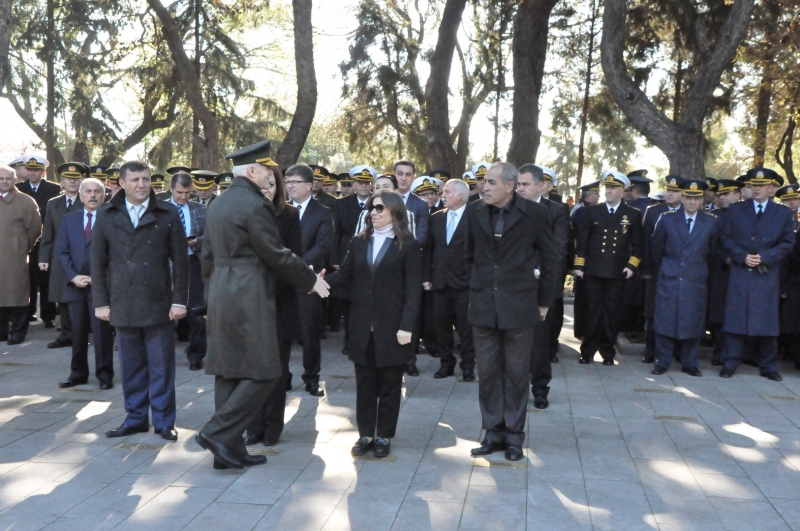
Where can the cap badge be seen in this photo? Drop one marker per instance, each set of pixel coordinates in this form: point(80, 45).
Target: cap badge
point(693, 186)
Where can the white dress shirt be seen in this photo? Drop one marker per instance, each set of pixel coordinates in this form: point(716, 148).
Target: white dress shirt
point(302, 206)
point(693, 218)
point(763, 205)
point(86, 218)
point(187, 219)
point(458, 215)
point(615, 208)
point(131, 208)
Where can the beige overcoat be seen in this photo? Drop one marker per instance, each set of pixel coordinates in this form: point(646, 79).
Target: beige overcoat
point(20, 227)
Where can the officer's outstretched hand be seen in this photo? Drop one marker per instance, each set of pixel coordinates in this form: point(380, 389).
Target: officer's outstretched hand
point(321, 287)
point(578, 273)
point(627, 272)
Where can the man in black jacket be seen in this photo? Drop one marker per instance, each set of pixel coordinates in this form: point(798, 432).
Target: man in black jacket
point(42, 191)
point(530, 185)
point(505, 234)
point(316, 223)
point(609, 250)
point(447, 275)
point(134, 239)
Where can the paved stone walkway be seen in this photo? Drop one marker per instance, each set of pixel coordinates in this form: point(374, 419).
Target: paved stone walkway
point(617, 449)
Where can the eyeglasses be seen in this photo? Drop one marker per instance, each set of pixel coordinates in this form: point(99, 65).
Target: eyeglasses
point(293, 183)
point(378, 208)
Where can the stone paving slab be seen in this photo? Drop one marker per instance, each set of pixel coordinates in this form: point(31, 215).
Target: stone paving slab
point(618, 449)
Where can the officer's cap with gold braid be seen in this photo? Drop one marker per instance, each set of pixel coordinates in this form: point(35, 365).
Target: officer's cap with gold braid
point(590, 187)
point(728, 185)
point(157, 180)
point(470, 179)
point(548, 174)
point(179, 169)
point(693, 187)
point(17, 162)
point(319, 172)
point(257, 153)
point(674, 183)
point(363, 173)
point(442, 175)
point(762, 176)
point(712, 183)
point(36, 162)
point(424, 184)
point(224, 180)
point(345, 178)
point(331, 178)
point(98, 172)
point(479, 170)
point(113, 175)
point(203, 179)
point(73, 170)
point(615, 178)
point(790, 191)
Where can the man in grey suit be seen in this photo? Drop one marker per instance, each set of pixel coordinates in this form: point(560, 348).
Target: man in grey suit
point(71, 173)
point(505, 235)
point(134, 239)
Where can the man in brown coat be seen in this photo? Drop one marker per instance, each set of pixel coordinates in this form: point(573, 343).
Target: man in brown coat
point(21, 226)
point(241, 254)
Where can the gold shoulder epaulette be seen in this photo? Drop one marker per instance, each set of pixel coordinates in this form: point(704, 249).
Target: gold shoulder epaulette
point(669, 211)
point(709, 214)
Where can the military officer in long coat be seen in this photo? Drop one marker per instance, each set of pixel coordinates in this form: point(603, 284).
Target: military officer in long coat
point(683, 243)
point(590, 194)
point(241, 253)
point(757, 235)
point(728, 192)
point(790, 282)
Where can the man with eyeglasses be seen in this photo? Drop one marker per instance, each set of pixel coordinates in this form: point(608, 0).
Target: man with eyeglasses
point(316, 224)
point(22, 225)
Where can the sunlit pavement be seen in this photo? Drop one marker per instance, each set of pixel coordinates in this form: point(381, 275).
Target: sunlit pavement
point(617, 449)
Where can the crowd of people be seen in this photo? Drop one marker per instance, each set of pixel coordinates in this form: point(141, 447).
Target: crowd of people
point(470, 270)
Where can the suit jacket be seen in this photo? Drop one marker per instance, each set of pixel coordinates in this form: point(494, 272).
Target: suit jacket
point(56, 210)
point(242, 253)
point(642, 204)
point(129, 264)
point(560, 225)
point(682, 260)
point(419, 207)
point(753, 298)
point(316, 224)
point(287, 311)
point(197, 214)
point(444, 264)
point(44, 193)
point(326, 199)
point(385, 298)
point(345, 219)
point(196, 199)
point(504, 290)
point(74, 254)
point(607, 244)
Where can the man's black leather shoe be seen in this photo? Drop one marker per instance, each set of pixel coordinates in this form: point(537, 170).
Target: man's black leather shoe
point(33, 319)
point(361, 447)
point(49, 324)
point(250, 440)
point(124, 431)
point(487, 448)
point(774, 376)
point(540, 402)
point(513, 453)
point(411, 369)
point(58, 343)
point(692, 371)
point(167, 433)
point(443, 373)
point(222, 453)
point(380, 447)
point(69, 382)
point(725, 373)
point(219, 466)
point(648, 359)
point(314, 390)
point(195, 365)
point(106, 385)
point(468, 376)
point(608, 362)
point(658, 370)
point(585, 361)
point(269, 441)
point(254, 460)
point(15, 340)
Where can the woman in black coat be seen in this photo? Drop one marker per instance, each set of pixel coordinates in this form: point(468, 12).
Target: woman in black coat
point(382, 275)
point(268, 426)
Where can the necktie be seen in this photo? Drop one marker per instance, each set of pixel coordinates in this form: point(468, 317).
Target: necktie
point(69, 203)
point(760, 212)
point(34, 188)
point(611, 212)
point(499, 223)
point(689, 224)
point(135, 218)
point(183, 218)
point(451, 227)
point(87, 230)
point(361, 205)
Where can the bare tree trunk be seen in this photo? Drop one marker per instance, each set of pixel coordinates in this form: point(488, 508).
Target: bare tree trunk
point(50, 79)
point(586, 89)
point(787, 162)
point(763, 107)
point(306, 85)
point(6, 23)
point(197, 140)
point(441, 154)
point(682, 142)
point(529, 52)
point(210, 154)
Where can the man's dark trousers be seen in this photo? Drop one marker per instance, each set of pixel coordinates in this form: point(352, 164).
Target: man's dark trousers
point(504, 358)
point(83, 322)
point(542, 351)
point(197, 323)
point(40, 286)
point(147, 362)
point(17, 316)
point(237, 402)
point(268, 425)
point(450, 307)
point(669, 348)
point(310, 315)
point(737, 347)
point(603, 298)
